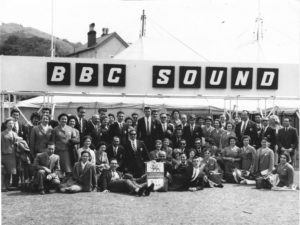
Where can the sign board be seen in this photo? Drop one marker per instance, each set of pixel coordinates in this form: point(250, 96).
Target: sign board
point(77, 75)
point(155, 174)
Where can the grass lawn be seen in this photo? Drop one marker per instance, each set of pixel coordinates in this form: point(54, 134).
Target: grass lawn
point(234, 204)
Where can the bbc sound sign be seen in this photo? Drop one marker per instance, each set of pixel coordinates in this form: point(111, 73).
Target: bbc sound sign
point(114, 75)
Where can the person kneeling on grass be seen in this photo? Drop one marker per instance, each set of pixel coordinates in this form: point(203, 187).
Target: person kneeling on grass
point(211, 168)
point(83, 176)
point(114, 181)
point(47, 165)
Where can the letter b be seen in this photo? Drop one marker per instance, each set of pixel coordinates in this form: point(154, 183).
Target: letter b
point(58, 73)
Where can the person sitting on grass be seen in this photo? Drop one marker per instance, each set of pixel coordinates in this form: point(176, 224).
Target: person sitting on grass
point(194, 177)
point(47, 165)
point(211, 169)
point(83, 176)
point(285, 172)
point(112, 180)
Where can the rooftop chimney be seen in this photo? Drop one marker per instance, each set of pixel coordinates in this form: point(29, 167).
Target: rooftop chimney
point(91, 36)
point(104, 31)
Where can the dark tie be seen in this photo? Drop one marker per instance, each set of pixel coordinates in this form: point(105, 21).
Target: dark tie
point(148, 127)
point(244, 128)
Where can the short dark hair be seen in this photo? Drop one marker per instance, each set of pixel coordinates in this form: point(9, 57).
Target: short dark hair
point(147, 107)
point(86, 137)
point(100, 110)
point(175, 110)
point(72, 117)
point(100, 144)
point(14, 111)
point(50, 143)
point(128, 118)
point(84, 151)
point(231, 138)
point(134, 114)
point(110, 114)
point(61, 115)
point(35, 115)
point(120, 112)
point(246, 137)
point(219, 122)
point(46, 109)
point(79, 108)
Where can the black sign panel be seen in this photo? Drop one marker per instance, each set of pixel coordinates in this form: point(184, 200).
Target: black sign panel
point(267, 78)
point(241, 78)
point(216, 77)
point(189, 77)
point(86, 74)
point(163, 76)
point(114, 75)
point(58, 73)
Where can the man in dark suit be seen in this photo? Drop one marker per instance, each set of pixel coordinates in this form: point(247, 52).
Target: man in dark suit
point(114, 181)
point(47, 165)
point(246, 127)
point(177, 138)
point(136, 154)
point(194, 176)
point(135, 118)
point(149, 129)
point(287, 139)
point(167, 128)
point(118, 128)
point(267, 132)
point(116, 151)
point(93, 130)
point(192, 131)
point(81, 123)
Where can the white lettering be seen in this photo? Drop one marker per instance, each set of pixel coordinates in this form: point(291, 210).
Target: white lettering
point(163, 76)
point(213, 80)
point(190, 77)
point(58, 73)
point(268, 78)
point(241, 78)
point(111, 78)
point(86, 74)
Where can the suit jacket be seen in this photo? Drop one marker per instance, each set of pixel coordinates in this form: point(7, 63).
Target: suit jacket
point(8, 142)
point(120, 156)
point(251, 130)
point(22, 132)
point(85, 177)
point(63, 139)
point(207, 132)
point(198, 182)
point(168, 133)
point(264, 160)
point(135, 160)
point(270, 134)
point(288, 139)
point(116, 130)
point(189, 136)
point(44, 160)
point(82, 131)
point(39, 139)
point(94, 131)
point(105, 179)
point(156, 130)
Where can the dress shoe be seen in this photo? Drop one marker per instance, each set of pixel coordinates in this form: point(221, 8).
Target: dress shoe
point(142, 190)
point(149, 189)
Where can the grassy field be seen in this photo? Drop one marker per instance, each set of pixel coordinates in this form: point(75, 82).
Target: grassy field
point(234, 204)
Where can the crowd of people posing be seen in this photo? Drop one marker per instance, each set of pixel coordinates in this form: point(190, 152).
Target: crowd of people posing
point(108, 153)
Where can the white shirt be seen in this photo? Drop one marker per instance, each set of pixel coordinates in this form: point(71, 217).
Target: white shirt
point(17, 126)
point(149, 119)
point(244, 122)
point(133, 144)
point(196, 172)
point(114, 175)
point(83, 165)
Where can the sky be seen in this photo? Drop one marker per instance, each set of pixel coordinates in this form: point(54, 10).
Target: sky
point(223, 25)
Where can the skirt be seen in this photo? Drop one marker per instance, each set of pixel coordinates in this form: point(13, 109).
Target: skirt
point(65, 161)
point(9, 162)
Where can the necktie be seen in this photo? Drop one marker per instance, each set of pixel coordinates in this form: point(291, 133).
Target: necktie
point(115, 151)
point(133, 146)
point(148, 127)
point(244, 128)
point(81, 125)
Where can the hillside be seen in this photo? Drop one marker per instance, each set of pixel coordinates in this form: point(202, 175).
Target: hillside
point(18, 40)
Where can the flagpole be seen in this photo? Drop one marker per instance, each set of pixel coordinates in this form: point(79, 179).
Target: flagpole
point(52, 38)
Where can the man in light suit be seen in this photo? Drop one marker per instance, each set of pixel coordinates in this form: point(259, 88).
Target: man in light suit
point(246, 127)
point(168, 128)
point(192, 131)
point(287, 139)
point(114, 181)
point(149, 129)
point(47, 165)
point(136, 154)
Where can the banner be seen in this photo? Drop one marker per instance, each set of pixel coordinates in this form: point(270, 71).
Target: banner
point(155, 174)
point(148, 77)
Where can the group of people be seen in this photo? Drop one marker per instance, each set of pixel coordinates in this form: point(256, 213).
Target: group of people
point(108, 152)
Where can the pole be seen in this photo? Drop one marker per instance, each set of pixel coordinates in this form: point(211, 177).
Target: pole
point(143, 18)
point(52, 37)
